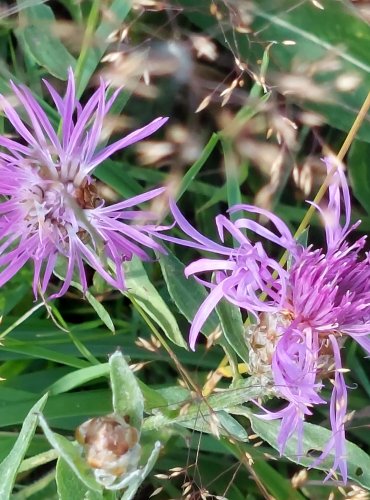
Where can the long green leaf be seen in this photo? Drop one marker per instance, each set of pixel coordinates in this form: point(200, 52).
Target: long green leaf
point(244, 391)
point(225, 424)
point(35, 351)
point(232, 171)
point(62, 407)
point(145, 294)
point(187, 294)
point(78, 378)
point(70, 452)
point(233, 328)
point(195, 168)
point(96, 305)
point(11, 464)
point(315, 438)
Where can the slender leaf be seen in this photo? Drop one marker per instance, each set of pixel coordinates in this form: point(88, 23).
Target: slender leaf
point(187, 294)
point(78, 378)
point(70, 452)
point(218, 422)
point(97, 306)
point(62, 406)
point(145, 294)
point(244, 391)
point(315, 438)
point(37, 460)
point(195, 168)
point(232, 170)
point(233, 328)
point(35, 351)
point(10, 465)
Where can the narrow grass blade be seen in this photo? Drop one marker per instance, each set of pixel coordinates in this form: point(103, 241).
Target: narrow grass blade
point(195, 168)
point(9, 467)
point(78, 378)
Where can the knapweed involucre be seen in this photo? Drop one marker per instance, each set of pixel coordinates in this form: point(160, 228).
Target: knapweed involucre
point(51, 207)
point(303, 314)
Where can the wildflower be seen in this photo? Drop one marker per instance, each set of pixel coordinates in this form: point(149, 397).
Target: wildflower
point(309, 311)
point(51, 205)
point(247, 272)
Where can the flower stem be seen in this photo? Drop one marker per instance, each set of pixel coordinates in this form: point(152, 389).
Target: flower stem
point(92, 22)
point(341, 154)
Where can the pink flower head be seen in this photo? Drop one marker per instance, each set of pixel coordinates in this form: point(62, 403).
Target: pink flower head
point(247, 271)
point(51, 205)
point(309, 310)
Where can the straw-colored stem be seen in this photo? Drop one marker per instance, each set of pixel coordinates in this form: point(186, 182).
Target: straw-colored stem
point(341, 154)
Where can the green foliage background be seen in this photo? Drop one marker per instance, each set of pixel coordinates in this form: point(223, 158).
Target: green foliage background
point(294, 57)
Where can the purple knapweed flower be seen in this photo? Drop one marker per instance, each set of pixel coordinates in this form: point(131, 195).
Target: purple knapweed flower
point(51, 205)
point(247, 272)
point(304, 315)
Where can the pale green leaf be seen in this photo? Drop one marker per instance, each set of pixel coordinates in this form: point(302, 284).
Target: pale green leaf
point(127, 396)
point(71, 453)
point(9, 467)
point(78, 378)
point(315, 438)
point(145, 294)
point(41, 44)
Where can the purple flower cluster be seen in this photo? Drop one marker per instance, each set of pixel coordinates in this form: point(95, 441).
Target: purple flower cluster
point(51, 205)
point(306, 311)
point(50, 208)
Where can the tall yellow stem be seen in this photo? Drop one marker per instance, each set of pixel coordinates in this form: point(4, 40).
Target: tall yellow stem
point(341, 154)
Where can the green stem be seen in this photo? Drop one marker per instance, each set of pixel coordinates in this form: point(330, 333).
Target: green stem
point(92, 23)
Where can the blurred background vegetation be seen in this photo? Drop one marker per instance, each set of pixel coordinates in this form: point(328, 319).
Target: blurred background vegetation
point(256, 91)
